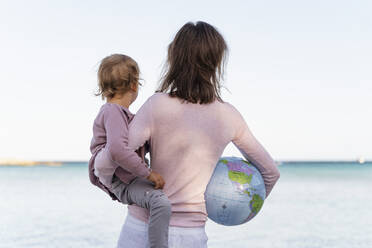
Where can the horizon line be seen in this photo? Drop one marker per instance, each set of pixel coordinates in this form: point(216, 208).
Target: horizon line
point(276, 160)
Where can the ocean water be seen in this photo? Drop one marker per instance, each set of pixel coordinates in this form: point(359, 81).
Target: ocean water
point(313, 205)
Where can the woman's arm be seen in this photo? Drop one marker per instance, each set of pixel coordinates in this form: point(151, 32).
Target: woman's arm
point(140, 127)
point(255, 153)
point(116, 126)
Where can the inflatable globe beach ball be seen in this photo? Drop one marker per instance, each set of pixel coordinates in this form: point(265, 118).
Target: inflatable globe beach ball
point(235, 192)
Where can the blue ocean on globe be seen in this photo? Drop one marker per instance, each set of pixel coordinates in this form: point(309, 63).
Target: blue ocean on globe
point(235, 192)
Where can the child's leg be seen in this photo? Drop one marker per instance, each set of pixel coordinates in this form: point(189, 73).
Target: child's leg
point(142, 193)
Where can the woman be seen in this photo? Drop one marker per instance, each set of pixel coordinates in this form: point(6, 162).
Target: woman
point(188, 126)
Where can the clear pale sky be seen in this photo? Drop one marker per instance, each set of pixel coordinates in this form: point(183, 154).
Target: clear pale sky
point(300, 72)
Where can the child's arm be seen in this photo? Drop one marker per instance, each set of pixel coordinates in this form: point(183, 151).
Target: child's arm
point(116, 126)
point(255, 153)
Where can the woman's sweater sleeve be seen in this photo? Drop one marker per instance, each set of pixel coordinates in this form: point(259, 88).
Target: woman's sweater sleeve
point(141, 125)
point(116, 126)
point(255, 153)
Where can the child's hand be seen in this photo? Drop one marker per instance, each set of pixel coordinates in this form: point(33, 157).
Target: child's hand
point(157, 179)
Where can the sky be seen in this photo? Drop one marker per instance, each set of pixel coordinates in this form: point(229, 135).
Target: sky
point(298, 71)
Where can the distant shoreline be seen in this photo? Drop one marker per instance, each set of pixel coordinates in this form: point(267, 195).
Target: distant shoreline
point(60, 163)
point(38, 163)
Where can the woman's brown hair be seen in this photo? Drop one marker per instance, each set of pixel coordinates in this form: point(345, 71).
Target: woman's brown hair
point(116, 73)
point(195, 64)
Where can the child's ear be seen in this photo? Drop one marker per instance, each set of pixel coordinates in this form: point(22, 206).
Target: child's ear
point(134, 87)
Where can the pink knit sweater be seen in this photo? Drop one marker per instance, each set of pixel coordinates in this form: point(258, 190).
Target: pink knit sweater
point(186, 142)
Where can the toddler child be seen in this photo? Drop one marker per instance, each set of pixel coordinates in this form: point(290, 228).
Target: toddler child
point(116, 168)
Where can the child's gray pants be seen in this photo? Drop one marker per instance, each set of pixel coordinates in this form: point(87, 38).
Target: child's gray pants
point(141, 192)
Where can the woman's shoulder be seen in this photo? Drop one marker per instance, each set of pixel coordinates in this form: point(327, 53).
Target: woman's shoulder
point(227, 107)
point(159, 98)
point(155, 102)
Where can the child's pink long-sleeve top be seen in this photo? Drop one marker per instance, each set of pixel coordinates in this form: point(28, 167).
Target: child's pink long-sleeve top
point(110, 131)
point(186, 141)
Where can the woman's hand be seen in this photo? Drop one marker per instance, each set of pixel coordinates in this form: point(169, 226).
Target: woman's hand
point(157, 179)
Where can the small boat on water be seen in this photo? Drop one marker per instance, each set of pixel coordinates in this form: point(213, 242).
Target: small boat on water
point(361, 160)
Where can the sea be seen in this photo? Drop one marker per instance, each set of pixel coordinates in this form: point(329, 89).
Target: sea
point(313, 205)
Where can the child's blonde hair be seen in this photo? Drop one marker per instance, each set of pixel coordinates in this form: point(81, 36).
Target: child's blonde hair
point(116, 73)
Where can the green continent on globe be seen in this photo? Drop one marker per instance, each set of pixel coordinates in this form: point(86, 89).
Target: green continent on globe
point(240, 177)
point(257, 203)
point(247, 192)
point(224, 161)
point(247, 162)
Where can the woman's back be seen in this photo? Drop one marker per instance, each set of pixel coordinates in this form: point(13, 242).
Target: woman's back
point(186, 142)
